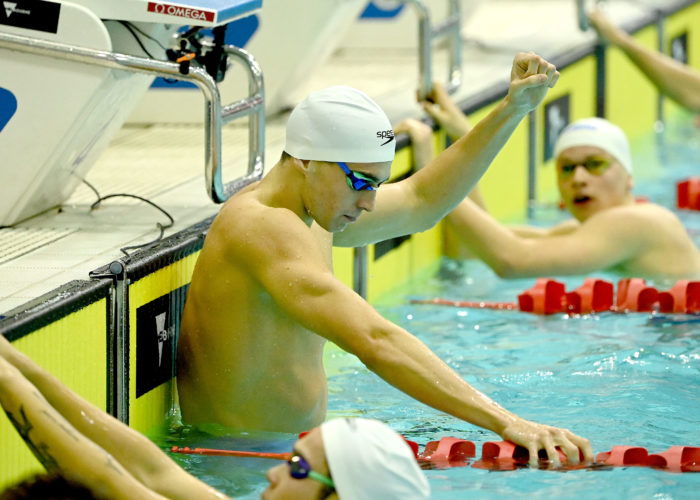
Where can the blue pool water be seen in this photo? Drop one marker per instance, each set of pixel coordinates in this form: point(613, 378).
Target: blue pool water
point(615, 379)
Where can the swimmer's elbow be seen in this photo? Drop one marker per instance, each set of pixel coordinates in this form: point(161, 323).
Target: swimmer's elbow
point(374, 349)
point(506, 268)
point(422, 221)
point(504, 272)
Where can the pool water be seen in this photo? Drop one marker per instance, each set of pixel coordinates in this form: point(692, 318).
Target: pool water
point(617, 379)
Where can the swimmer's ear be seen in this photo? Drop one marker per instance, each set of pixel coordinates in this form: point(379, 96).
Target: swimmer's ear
point(301, 165)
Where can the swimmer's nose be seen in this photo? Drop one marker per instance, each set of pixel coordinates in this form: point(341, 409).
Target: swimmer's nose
point(366, 200)
point(273, 475)
point(580, 176)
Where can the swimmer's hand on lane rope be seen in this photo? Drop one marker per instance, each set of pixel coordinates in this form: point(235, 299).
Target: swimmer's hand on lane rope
point(536, 437)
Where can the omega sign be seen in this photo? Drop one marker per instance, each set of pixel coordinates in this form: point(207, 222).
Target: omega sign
point(180, 11)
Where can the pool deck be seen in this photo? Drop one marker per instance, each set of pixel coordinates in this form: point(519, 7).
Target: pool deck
point(164, 163)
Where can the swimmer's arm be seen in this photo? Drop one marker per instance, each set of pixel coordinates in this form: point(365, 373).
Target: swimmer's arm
point(59, 446)
point(419, 202)
point(605, 240)
point(291, 267)
point(562, 228)
point(120, 446)
point(678, 81)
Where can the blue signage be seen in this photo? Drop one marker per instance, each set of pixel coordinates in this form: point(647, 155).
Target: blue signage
point(375, 10)
point(8, 106)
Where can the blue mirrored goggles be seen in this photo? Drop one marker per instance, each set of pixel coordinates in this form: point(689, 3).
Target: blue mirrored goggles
point(299, 468)
point(356, 180)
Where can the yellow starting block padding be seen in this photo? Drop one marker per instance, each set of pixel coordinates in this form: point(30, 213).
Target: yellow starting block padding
point(151, 409)
point(74, 350)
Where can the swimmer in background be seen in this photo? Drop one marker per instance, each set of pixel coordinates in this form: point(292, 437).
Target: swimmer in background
point(672, 78)
point(609, 229)
point(263, 299)
point(93, 455)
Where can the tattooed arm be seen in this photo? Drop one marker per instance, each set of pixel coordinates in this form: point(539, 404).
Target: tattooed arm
point(83, 442)
point(58, 446)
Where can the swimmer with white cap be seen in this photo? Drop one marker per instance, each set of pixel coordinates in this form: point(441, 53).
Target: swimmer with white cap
point(610, 229)
point(349, 459)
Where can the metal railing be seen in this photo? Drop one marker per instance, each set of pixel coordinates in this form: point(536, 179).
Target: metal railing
point(581, 15)
point(215, 115)
point(427, 34)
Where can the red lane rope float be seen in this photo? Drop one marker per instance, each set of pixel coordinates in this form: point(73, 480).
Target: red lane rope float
point(595, 295)
point(676, 458)
point(688, 194)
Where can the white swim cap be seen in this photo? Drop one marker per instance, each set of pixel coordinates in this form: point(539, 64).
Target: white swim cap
point(596, 132)
point(340, 124)
point(368, 460)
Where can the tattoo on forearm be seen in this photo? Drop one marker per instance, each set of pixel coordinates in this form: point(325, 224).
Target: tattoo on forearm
point(40, 450)
point(67, 429)
point(112, 464)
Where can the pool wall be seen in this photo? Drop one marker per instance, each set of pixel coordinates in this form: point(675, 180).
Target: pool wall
point(112, 337)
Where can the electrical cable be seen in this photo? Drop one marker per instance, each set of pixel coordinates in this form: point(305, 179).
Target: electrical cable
point(136, 37)
point(160, 226)
point(145, 34)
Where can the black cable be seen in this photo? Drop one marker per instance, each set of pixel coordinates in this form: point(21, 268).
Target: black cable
point(94, 189)
point(136, 37)
point(160, 226)
point(131, 29)
point(145, 34)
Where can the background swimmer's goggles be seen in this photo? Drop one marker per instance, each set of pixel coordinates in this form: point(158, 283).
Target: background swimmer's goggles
point(300, 469)
point(356, 180)
point(595, 166)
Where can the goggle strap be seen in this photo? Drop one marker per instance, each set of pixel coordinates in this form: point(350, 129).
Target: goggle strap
point(321, 479)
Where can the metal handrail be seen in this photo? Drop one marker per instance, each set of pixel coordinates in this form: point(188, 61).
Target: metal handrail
point(427, 34)
point(582, 15)
point(215, 115)
point(254, 107)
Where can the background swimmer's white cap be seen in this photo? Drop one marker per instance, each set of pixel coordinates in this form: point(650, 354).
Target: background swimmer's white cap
point(368, 459)
point(596, 132)
point(340, 124)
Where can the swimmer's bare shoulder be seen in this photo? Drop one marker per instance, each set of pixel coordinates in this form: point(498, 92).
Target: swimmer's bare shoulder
point(650, 228)
point(260, 236)
point(636, 216)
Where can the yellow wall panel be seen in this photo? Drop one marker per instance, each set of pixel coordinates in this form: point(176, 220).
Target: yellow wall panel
point(343, 264)
point(426, 248)
point(74, 349)
point(391, 268)
point(504, 185)
point(151, 409)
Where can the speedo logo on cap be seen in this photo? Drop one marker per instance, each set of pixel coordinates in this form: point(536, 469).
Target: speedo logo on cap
point(385, 134)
